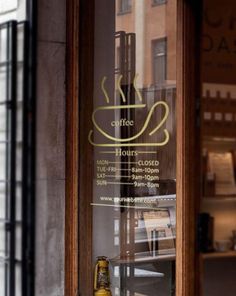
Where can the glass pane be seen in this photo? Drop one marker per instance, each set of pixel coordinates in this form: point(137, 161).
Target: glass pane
point(19, 202)
point(2, 123)
point(11, 201)
point(20, 85)
point(19, 162)
point(20, 70)
point(18, 280)
point(132, 139)
point(2, 162)
point(2, 200)
point(3, 45)
point(8, 5)
point(18, 241)
point(217, 227)
point(3, 79)
point(2, 240)
point(2, 278)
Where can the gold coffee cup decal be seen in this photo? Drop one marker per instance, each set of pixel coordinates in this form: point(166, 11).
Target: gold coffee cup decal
point(102, 277)
point(128, 142)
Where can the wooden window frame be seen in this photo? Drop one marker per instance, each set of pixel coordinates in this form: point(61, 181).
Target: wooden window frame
point(77, 221)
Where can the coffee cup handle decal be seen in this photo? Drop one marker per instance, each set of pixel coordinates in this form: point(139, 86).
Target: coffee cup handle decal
point(167, 109)
point(125, 142)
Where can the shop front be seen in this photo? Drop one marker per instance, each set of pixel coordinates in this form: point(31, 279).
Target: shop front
point(132, 160)
point(118, 148)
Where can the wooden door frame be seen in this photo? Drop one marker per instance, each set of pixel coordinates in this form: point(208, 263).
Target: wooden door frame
point(72, 145)
point(187, 149)
point(188, 145)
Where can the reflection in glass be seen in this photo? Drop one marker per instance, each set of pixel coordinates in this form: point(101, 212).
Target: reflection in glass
point(18, 252)
point(10, 201)
point(218, 203)
point(18, 280)
point(3, 79)
point(6, 6)
point(133, 137)
point(2, 278)
point(2, 240)
point(3, 45)
point(2, 200)
point(125, 6)
point(2, 122)
point(159, 61)
point(3, 162)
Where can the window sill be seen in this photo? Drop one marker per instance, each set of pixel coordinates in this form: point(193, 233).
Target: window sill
point(124, 12)
point(159, 4)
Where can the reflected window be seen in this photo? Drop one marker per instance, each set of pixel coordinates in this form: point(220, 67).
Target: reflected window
point(125, 6)
point(159, 61)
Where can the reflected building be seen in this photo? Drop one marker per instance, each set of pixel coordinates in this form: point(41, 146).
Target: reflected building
point(154, 24)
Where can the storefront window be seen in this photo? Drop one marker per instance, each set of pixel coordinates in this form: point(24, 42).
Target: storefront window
point(131, 169)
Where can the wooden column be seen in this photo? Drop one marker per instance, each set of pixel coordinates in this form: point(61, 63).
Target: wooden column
point(188, 144)
point(72, 153)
